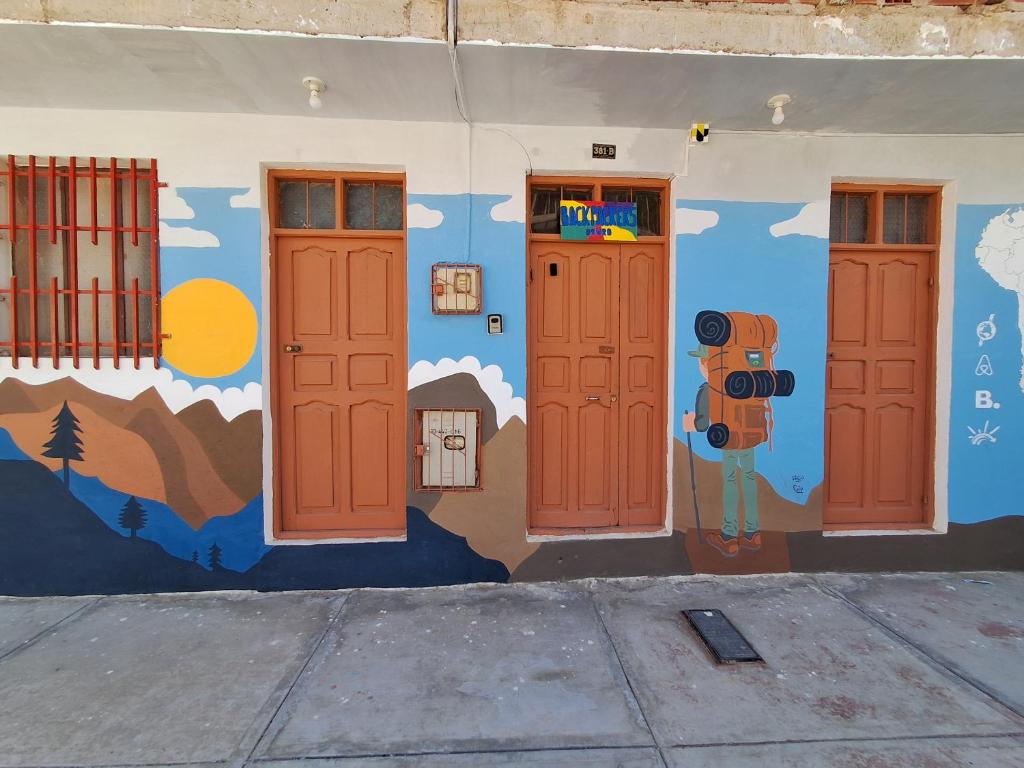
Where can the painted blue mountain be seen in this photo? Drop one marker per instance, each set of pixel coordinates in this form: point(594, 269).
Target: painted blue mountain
point(239, 536)
point(53, 544)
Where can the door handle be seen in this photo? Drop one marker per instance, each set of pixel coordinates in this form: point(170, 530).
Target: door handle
point(292, 347)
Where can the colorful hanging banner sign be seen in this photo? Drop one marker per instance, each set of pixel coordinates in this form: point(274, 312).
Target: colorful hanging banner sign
point(588, 220)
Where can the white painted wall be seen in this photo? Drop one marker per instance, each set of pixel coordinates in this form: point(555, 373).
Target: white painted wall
point(223, 150)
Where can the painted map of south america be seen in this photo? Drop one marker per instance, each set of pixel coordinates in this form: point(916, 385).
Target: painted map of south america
point(1000, 253)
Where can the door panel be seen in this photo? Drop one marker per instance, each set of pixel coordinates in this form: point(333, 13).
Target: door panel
point(573, 374)
point(340, 398)
point(552, 454)
point(642, 389)
point(877, 379)
point(596, 376)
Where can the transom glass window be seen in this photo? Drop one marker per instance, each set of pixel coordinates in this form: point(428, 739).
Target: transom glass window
point(545, 201)
point(354, 204)
point(881, 216)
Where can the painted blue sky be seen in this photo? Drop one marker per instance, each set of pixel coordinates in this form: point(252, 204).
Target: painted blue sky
point(235, 261)
point(737, 265)
point(500, 247)
point(983, 478)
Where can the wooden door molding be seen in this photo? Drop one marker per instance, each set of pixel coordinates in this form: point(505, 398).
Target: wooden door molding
point(338, 383)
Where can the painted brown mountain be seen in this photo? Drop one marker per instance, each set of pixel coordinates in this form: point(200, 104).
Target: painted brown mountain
point(776, 513)
point(197, 463)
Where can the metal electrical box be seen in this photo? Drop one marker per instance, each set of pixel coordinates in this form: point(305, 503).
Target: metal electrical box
point(449, 451)
point(456, 289)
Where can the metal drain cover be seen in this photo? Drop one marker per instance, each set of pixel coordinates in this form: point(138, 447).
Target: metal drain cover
point(720, 636)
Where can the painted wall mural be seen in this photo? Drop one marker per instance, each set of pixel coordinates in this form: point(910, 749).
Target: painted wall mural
point(466, 227)
point(210, 278)
point(736, 358)
point(134, 481)
point(987, 418)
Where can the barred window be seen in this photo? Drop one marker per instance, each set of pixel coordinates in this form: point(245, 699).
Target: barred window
point(79, 272)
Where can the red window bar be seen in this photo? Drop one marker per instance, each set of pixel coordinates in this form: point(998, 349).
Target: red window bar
point(447, 450)
point(54, 190)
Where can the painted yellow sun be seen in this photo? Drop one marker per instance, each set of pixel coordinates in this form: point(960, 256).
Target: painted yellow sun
point(212, 327)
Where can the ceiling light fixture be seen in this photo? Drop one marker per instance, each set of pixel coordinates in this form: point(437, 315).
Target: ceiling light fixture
point(315, 86)
point(777, 103)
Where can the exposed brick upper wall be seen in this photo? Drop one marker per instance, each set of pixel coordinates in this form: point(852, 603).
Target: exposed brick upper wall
point(1011, 6)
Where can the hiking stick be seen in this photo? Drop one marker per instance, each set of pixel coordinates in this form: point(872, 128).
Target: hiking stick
point(693, 481)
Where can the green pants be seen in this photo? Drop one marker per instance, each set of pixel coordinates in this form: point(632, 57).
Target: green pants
point(744, 461)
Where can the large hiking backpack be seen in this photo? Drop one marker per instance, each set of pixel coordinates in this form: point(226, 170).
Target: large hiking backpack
point(741, 376)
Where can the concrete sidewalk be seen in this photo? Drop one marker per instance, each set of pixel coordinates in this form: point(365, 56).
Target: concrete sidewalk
point(878, 670)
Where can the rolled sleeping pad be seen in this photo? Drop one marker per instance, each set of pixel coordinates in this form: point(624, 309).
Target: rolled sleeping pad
point(785, 383)
point(718, 435)
point(712, 328)
point(740, 385)
point(764, 383)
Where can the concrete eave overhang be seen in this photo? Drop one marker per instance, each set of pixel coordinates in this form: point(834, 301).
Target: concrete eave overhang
point(538, 72)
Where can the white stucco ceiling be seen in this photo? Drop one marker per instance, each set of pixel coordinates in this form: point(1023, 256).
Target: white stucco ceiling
point(160, 69)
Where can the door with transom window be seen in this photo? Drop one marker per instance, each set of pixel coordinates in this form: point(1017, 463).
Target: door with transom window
point(880, 366)
point(597, 365)
point(338, 354)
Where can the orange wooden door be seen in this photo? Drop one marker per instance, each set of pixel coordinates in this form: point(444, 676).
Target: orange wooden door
point(339, 349)
point(596, 372)
point(878, 401)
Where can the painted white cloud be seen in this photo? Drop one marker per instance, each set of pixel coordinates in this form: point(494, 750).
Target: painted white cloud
point(250, 199)
point(186, 237)
point(491, 380)
point(692, 221)
point(127, 383)
point(812, 221)
point(173, 207)
point(511, 210)
point(421, 217)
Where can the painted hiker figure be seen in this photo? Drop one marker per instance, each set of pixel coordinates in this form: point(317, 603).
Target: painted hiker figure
point(736, 357)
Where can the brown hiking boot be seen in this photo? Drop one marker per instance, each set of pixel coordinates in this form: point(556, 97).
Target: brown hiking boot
point(752, 542)
point(728, 547)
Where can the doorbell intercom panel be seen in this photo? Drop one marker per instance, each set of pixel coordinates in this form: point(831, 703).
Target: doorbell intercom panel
point(494, 325)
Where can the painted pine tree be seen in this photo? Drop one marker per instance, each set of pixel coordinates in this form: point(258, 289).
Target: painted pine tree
point(65, 444)
point(133, 516)
point(215, 553)
point(195, 556)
